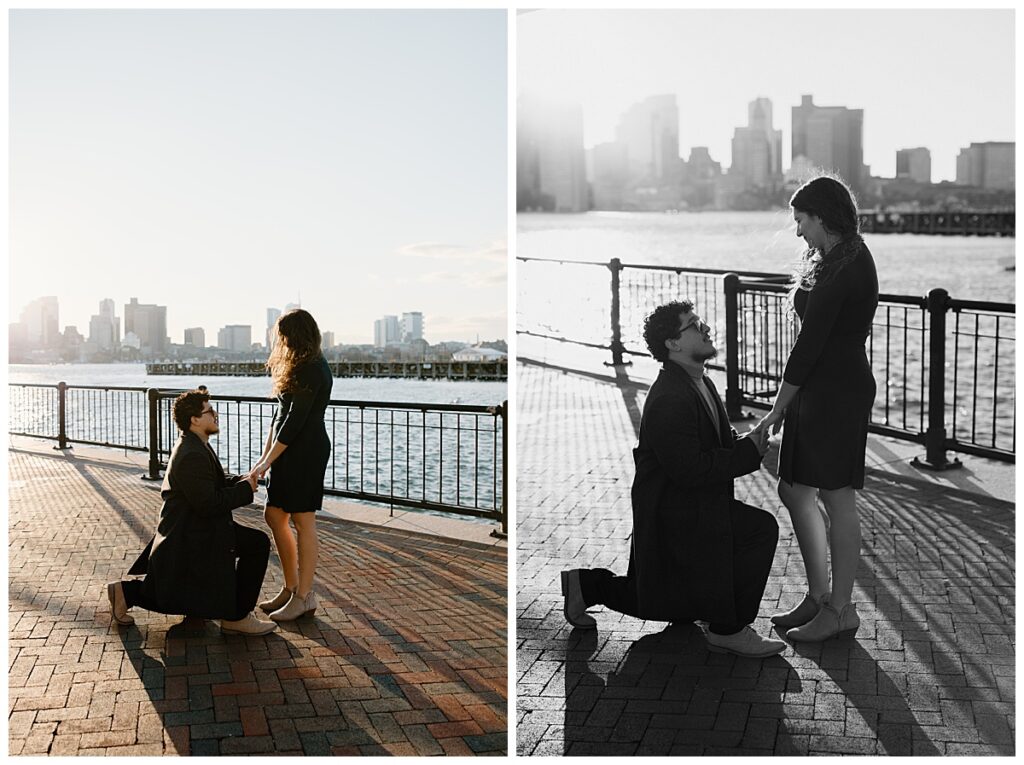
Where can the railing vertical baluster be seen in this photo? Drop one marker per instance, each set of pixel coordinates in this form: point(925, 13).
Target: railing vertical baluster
point(733, 394)
point(154, 434)
point(504, 466)
point(617, 348)
point(62, 417)
point(935, 436)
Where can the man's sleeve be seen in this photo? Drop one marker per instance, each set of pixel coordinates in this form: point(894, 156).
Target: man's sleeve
point(195, 479)
point(674, 437)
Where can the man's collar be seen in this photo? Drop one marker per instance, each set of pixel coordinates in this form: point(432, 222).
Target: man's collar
point(693, 374)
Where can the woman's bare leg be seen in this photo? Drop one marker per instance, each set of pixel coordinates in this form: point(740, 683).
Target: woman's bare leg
point(809, 525)
point(844, 540)
point(277, 520)
point(309, 549)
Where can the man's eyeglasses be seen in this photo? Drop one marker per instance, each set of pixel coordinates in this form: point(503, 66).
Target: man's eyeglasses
point(211, 410)
point(698, 325)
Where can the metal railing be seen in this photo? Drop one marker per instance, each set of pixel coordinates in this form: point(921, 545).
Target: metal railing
point(944, 368)
point(446, 457)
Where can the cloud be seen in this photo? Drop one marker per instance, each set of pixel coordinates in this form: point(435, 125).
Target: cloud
point(491, 278)
point(493, 252)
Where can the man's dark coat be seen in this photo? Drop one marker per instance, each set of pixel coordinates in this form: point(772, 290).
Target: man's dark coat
point(682, 551)
point(190, 562)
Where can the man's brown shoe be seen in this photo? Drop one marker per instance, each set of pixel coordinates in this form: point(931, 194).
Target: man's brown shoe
point(249, 625)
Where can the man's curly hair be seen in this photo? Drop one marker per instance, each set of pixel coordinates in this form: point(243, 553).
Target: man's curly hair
point(662, 325)
point(188, 405)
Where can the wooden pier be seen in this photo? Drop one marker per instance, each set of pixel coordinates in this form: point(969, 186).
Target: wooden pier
point(410, 370)
point(963, 223)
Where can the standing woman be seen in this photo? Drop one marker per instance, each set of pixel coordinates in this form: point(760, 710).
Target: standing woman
point(296, 454)
point(824, 402)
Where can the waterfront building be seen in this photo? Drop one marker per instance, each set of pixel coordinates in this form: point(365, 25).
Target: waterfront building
point(386, 331)
point(988, 165)
point(757, 149)
point(831, 138)
point(273, 314)
point(650, 132)
point(608, 170)
point(914, 164)
point(478, 353)
point(412, 326)
point(326, 341)
point(701, 177)
point(41, 322)
point(550, 161)
point(105, 327)
point(149, 323)
point(235, 337)
point(195, 337)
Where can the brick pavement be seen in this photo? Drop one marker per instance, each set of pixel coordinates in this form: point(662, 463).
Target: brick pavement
point(931, 670)
point(406, 655)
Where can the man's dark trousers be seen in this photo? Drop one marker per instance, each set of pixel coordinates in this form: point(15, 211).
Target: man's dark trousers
point(755, 536)
point(252, 551)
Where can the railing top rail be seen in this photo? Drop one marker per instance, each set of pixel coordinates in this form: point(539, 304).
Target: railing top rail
point(464, 408)
point(649, 267)
point(981, 305)
point(79, 387)
point(166, 393)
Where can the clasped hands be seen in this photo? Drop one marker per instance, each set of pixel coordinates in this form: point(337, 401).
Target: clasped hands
point(256, 473)
point(769, 425)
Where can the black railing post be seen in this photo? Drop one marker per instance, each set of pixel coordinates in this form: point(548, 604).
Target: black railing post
point(153, 396)
point(62, 415)
point(935, 436)
point(733, 394)
point(503, 413)
point(617, 348)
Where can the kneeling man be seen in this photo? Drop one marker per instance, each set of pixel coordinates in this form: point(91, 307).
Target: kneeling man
point(200, 562)
point(697, 553)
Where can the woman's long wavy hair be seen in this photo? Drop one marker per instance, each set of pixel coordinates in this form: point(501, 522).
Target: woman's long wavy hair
point(832, 202)
point(296, 342)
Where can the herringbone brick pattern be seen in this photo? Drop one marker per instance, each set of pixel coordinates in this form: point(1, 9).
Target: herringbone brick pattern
point(406, 655)
point(931, 670)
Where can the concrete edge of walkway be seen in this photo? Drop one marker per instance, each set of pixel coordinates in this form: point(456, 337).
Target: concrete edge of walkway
point(453, 529)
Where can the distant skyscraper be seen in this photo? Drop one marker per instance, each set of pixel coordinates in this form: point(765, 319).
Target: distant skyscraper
point(105, 327)
point(235, 337)
point(41, 321)
point(386, 330)
point(650, 132)
point(196, 337)
point(915, 164)
point(832, 138)
point(412, 326)
point(326, 340)
point(989, 165)
point(273, 314)
point(757, 149)
point(550, 162)
point(608, 167)
point(149, 323)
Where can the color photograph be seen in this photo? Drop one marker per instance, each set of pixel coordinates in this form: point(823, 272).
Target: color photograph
point(258, 382)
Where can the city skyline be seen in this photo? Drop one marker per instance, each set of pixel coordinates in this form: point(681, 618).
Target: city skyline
point(608, 61)
point(353, 158)
point(117, 312)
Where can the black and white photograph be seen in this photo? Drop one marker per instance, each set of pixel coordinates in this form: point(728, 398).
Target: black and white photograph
point(765, 350)
point(258, 382)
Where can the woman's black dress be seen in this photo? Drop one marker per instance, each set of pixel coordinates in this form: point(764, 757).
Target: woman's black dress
point(296, 479)
point(826, 426)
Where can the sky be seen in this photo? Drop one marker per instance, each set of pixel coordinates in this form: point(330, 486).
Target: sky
point(224, 162)
point(936, 78)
